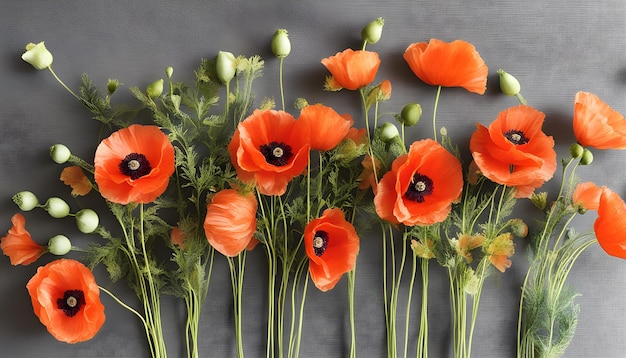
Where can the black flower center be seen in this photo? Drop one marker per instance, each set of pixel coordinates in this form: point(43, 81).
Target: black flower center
point(320, 242)
point(516, 137)
point(420, 187)
point(277, 154)
point(135, 165)
point(71, 302)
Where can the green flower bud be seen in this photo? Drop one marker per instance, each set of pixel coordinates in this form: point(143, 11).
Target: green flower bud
point(59, 245)
point(112, 85)
point(57, 207)
point(411, 114)
point(373, 31)
point(301, 103)
point(586, 158)
point(509, 85)
point(87, 221)
point(168, 71)
point(576, 150)
point(443, 131)
point(281, 46)
point(155, 88)
point(519, 228)
point(60, 153)
point(388, 131)
point(38, 56)
point(25, 200)
point(225, 66)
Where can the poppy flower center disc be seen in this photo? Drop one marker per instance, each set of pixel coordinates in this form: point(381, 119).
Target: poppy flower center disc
point(277, 154)
point(135, 165)
point(420, 187)
point(71, 302)
point(320, 242)
point(516, 137)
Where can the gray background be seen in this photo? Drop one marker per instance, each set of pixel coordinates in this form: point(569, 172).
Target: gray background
point(555, 48)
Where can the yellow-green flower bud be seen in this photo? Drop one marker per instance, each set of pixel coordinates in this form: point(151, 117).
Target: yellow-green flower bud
point(112, 85)
point(57, 207)
point(411, 114)
point(169, 71)
point(155, 88)
point(586, 158)
point(281, 46)
point(576, 150)
point(26, 200)
point(60, 153)
point(519, 228)
point(226, 66)
point(37, 55)
point(87, 221)
point(301, 103)
point(509, 85)
point(388, 131)
point(373, 31)
point(59, 245)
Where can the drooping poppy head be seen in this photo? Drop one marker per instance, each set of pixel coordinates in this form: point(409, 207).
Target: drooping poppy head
point(326, 126)
point(587, 195)
point(454, 64)
point(270, 148)
point(18, 245)
point(66, 299)
point(77, 180)
point(230, 221)
point(514, 151)
point(351, 69)
point(332, 244)
point(134, 164)
point(596, 124)
point(611, 224)
point(421, 186)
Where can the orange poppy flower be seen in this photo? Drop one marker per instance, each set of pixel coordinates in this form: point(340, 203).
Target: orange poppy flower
point(351, 69)
point(611, 224)
point(134, 164)
point(326, 126)
point(66, 299)
point(230, 221)
point(596, 124)
point(270, 148)
point(177, 236)
point(454, 64)
point(421, 186)
point(332, 244)
point(513, 150)
point(499, 251)
point(587, 195)
point(77, 180)
point(18, 245)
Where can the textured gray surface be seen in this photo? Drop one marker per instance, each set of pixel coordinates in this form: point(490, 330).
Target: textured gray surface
point(555, 48)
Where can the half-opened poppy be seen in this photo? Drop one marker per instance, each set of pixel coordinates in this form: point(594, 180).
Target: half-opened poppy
point(134, 164)
point(326, 126)
point(332, 244)
point(77, 180)
point(18, 245)
point(66, 299)
point(230, 221)
point(587, 195)
point(596, 124)
point(421, 186)
point(454, 64)
point(610, 225)
point(351, 69)
point(270, 148)
point(514, 151)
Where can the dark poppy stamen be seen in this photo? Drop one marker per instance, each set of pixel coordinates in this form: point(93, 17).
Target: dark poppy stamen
point(277, 154)
point(135, 165)
point(516, 137)
point(320, 242)
point(71, 302)
point(420, 187)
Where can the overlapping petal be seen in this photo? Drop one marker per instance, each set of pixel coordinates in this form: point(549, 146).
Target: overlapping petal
point(610, 225)
point(587, 195)
point(352, 69)
point(326, 126)
point(596, 124)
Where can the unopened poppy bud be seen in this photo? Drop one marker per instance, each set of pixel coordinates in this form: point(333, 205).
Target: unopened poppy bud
point(155, 88)
point(411, 114)
point(57, 207)
point(509, 85)
point(87, 221)
point(373, 31)
point(38, 56)
point(26, 200)
point(60, 153)
point(576, 150)
point(540, 200)
point(586, 158)
point(169, 71)
point(112, 85)
point(388, 131)
point(281, 46)
point(225, 66)
point(519, 228)
point(59, 245)
point(443, 131)
point(301, 103)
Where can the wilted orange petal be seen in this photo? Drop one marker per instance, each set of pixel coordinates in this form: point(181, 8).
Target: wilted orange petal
point(77, 180)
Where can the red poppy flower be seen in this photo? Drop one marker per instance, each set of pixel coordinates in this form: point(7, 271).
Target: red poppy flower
point(421, 185)
point(596, 124)
point(66, 299)
point(351, 69)
point(514, 151)
point(611, 224)
point(332, 245)
point(134, 164)
point(587, 195)
point(327, 127)
point(454, 64)
point(18, 244)
point(77, 180)
point(230, 221)
point(270, 148)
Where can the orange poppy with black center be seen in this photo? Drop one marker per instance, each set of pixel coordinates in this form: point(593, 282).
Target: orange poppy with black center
point(351, 69)
point(18, 245)
point(596, 124)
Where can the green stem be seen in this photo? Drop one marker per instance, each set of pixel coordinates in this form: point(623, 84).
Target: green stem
point(280, 79)
point(422, 339)
point(63, 84)
point(435, 113)
point(351, 286)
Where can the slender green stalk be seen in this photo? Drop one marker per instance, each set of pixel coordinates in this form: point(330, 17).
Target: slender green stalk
point(351, 286)
point(422, 339)
point(435, 113)
point(408, 304)
point(63, 84)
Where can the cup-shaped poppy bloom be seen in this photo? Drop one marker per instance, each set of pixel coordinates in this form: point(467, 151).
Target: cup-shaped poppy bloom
point(596, 124)
point(18, 245)
point(351, 69)
point(454, 64)
point(610, 225)
point(514, 151)
point(270, 148)
point(134, 164)
point(326, 126)
point(66, 299)
point(421, 186)
point(587, 195)
point(230, 221)
point(332, 244)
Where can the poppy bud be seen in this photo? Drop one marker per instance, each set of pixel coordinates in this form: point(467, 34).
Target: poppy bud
point(87, 221)
point(509, 85)
point(388, 131)
point(443, 131)
point(38, 56)
point(168, 71)
point(411, 114)
point(112, 85)
point(373, 31)
point(57, 207)
point(519, 228)
point(281, 46)
point(301, 103)
point(155, 88)
point(26, 200)
point(59, 245)
point(60, 153)
point(576, 150)
point(225, 66)
point(586, 158)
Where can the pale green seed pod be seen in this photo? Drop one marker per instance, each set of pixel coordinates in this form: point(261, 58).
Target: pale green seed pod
point(59, 245)
point(281, 46)
point(60, 153)
point(38, 56)
point(587, 157)
point(26, 200)
point(87, 221)
point(411, 114)
point(225, 66)
point(388, 131)
point(57, 207)
point(373, 31)
point(576, 150)
point(509, 85)
point(155, 88)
